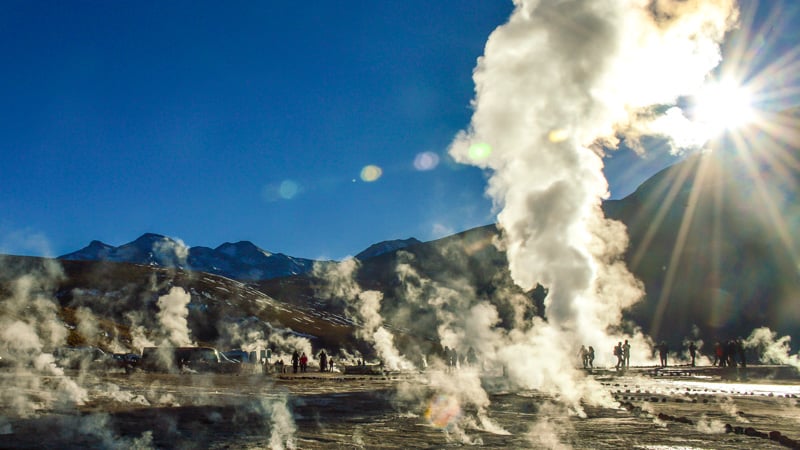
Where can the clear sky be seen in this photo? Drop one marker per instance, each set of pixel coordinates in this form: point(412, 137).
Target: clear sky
point(313, 129)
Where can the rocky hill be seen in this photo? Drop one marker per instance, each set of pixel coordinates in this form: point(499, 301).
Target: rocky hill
point(714, 239)
point(111, 305)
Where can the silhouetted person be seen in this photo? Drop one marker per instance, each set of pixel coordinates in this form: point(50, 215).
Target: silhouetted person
point(692, 351)
point(584, 355)
point(740, 350)
point(618, 354)
point(591, 357)
point(330, 364)
point(323, 361)
point(303, 362)
point(730, 353)
point(626, 354)
point(472, 357)
point(718, 353)
point(663, 350)
point(295, 361)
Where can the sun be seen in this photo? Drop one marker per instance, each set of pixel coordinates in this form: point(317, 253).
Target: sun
point(723, 105)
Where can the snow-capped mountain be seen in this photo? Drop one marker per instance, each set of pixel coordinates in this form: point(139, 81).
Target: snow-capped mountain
point(241, 260)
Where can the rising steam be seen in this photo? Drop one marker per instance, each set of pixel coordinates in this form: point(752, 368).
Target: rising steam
point(557, 85)
point(773, 350)
point(363, 307)
point(172, 316)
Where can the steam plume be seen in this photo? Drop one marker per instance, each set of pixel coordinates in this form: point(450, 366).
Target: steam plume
point(172, 316)
point(556, 85)
point(772, 350)
point(364, 307)
point(30, 330)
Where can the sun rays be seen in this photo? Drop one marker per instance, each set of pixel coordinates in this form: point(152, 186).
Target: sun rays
point(750, 115)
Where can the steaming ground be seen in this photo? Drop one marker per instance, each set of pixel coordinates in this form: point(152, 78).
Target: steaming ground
point(315, 410)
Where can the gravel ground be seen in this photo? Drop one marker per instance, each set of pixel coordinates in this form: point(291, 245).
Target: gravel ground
point(686, 410)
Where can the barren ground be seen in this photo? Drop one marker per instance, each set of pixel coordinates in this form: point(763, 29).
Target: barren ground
point(338, 411)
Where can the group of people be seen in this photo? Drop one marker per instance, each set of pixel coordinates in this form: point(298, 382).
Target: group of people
point(452, 359)
point(726, 353)
point(300, 362)
point(623, 353)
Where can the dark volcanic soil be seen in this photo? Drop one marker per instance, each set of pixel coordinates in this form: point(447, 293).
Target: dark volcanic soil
point(319, 411)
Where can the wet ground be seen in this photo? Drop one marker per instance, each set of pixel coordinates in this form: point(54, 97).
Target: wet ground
point(680, 410)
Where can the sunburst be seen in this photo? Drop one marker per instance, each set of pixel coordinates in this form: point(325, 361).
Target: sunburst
point(749, 112)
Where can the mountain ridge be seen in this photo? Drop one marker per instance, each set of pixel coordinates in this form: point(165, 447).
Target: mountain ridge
point(241, 260)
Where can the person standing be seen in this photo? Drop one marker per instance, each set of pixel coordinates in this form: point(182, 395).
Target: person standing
point(692, 351)
point(618, 354)
point(323, 361)
point(591, 357)
point(584, 355)
point(626, 354)
point(295, 361)
point(303, 362)
point(663, 350)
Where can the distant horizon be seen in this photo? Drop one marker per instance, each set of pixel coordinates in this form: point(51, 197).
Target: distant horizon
point(214, 247)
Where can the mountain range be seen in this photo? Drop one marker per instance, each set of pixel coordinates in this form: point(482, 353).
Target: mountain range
point(242, 260)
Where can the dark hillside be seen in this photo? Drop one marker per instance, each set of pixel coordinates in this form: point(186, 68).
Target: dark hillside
point(112, 291)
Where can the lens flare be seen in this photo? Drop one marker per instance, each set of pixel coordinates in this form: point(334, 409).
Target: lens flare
point(443, 411)
point(285, 190)
point(558, 135)
point(426, 161)
point(288, 189)
point(479, 151)
point(371, 173)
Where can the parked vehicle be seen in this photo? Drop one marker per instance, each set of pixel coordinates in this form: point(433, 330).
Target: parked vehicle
point(127, 361)
point(186, 359)
point(240, 356)
point(83, 358)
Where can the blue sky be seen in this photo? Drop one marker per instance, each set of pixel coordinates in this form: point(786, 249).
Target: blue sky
point(248, 121)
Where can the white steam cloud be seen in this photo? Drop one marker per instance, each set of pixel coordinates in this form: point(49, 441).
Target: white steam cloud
point(172, 315)
point(556, 85)
point(30, 330)
point(364, 307)
point(771, 348)
point(172, 252)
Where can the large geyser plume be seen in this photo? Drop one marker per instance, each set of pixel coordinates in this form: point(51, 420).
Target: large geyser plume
point(558, 84)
